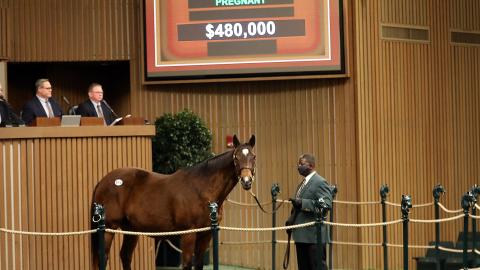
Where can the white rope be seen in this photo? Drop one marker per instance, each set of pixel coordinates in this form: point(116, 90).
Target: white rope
point(422, 205)
point(409, 246)
point(453, 250)
point(365, 224)
point(357, 203)
point(268, 229)
point(393, 204)
point(159, 233)
point(174, 247)
point(356, 244)
point(477, 206)
point(47, 233)
point(436, 220)
point(449, 211)
point(474, 217)
point(245, 243)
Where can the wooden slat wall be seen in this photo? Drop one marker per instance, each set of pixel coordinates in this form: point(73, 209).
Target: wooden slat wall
point(46, 186)
point(418, 120)
point(407, 117)
point(57, 30)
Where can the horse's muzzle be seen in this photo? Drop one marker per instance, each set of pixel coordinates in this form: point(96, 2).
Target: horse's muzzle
point(246, 182)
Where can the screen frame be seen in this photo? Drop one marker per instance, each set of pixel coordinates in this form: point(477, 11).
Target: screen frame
point(342, 72)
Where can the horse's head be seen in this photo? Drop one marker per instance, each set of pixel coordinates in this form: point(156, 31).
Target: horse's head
point(244, 160)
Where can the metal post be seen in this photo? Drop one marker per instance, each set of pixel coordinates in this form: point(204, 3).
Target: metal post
point(99, 218)
point(406, 205)
point(384, 189)
point(437, 191)
point(321, 210)
point(330, 245)
point(213, 206)
point(468, 200)
point(476, 191)
point(274, 191)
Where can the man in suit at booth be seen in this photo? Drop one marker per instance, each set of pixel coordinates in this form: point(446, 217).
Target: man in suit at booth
point(42, 105)
point(312, 188)
point(95, 106)
point(7, 115)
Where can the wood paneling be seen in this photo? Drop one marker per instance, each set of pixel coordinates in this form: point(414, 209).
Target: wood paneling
point(408, 116)
point(417, 118)
point(57, 30)
point(46, 184)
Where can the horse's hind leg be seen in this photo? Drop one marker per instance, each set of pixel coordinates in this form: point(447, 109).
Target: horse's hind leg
point(188, 245)
point(126, 252)
point(203, 239)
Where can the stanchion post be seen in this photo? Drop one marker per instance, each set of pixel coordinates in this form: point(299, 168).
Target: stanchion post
point(213, 206)
point(99, 218)
point(321, 210)
point(330, 245)
point(476, 191)
point(384, 189)
point(437, 191)
point(274, 191)
point(406, 205)
point(468, 200)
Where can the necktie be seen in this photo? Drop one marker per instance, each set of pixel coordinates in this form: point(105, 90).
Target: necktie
point(301, 187)
point(50, 111)
point(99, 111)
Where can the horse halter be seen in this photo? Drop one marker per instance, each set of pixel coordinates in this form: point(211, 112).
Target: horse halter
point(239, 168)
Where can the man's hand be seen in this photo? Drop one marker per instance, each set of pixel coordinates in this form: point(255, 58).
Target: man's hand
point(297, 203)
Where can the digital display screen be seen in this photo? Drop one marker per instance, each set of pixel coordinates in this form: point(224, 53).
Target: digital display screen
point(187, 39)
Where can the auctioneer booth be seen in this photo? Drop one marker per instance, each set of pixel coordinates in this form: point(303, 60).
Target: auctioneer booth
point(47, 175)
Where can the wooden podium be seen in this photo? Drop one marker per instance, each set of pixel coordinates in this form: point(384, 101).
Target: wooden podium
point(91, 121)
point(47, 179)
point(45, 122)
point(132, 120)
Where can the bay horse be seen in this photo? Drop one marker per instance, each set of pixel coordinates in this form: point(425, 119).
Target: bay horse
point(143, 201)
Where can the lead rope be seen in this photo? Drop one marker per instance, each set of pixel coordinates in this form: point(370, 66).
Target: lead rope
point(261, 207)
point(286, 258)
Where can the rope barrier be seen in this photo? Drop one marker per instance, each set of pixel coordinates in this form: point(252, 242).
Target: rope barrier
point(423, 205)
point(393, 204)
point(268, 229)
point(365, 224)
point(355, 203)
point(453, 250)
point(245, 243)
point(356, 244)
point(449, 211)
point(409, 246)
point(158, 233)
point(474, 217)
point(477, 206)
point(437, 220)
point(174, 247)
point(47, 233)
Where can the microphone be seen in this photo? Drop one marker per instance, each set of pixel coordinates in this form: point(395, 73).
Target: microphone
point(110, 108)
point(66, 100)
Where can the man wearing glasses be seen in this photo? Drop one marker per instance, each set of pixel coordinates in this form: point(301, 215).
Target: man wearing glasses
point(95, 106)
point(42, 105)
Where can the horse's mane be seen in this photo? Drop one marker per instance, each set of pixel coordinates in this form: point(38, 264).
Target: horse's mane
point(211, 164)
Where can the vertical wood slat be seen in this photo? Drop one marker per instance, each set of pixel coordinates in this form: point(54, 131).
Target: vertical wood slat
point(420, 114)
point(58, 30)
point(54, 197)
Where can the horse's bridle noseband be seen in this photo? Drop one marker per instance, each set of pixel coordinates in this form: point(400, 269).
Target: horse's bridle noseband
point(252, 170)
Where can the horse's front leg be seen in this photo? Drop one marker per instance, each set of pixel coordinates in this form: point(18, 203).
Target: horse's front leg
point(188, 245)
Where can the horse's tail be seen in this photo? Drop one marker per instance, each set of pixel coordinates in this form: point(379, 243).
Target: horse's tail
point(93, 236)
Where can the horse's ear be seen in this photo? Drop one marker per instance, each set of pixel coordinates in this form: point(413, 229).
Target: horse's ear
point(236, 142)
point(252, 141)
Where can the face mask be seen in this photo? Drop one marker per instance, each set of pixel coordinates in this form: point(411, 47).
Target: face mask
point(303, 170)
